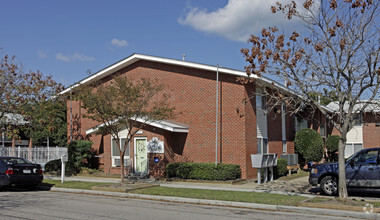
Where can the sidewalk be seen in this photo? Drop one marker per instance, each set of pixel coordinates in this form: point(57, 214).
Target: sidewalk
point(85, 179)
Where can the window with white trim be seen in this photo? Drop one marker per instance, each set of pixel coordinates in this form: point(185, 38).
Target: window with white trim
point(352, 148)
point(116, 153)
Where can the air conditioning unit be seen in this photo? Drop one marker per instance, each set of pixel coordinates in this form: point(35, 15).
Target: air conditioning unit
point(127, 162)
point(292, 159)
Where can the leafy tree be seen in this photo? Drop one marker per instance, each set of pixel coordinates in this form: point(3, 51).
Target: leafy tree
point(48, 120)
point(79, 155)
point(325, 97)
point(124, 104)
point(309, 144)
point(336, 49)
point(19, 91)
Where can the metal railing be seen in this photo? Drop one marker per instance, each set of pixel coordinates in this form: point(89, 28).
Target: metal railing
point(144, 167)
point(36, 154)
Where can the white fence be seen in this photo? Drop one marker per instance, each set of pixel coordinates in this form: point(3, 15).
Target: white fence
point(40, 155)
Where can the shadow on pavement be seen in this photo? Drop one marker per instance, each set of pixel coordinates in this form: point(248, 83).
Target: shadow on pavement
point(40, 187)
point(356, 192)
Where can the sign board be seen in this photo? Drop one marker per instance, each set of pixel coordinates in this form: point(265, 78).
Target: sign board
point(155, 146)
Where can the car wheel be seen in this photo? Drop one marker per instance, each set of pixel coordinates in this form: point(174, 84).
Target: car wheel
point(329, 185)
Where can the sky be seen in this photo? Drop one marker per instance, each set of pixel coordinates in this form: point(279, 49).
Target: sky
point(71, 39)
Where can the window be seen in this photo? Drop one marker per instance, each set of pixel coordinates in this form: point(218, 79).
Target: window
point(367, 158)
point(261, 102)
point(116, 153)
point(352, 148)
point(262, 145)
point(300, 123)
point(322, 130)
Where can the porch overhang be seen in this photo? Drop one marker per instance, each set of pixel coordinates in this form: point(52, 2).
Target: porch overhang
point(168, 125)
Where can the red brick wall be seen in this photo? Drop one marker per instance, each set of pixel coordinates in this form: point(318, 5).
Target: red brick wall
point(193, 95)
point(371, 131)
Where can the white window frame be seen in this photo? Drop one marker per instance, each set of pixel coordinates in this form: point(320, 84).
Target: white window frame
point(352, 150)
point(118, 157)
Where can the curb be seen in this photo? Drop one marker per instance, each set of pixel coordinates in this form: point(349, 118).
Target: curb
point(308, 210)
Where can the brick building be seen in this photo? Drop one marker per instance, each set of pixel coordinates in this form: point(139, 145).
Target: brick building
point(243, 128)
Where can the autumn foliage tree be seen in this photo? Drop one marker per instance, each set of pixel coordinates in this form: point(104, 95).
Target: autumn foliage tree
point(22, 95)
point(335, 49)
point(124, 104)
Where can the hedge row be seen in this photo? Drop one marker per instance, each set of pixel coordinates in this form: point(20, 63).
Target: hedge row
point(203, 171)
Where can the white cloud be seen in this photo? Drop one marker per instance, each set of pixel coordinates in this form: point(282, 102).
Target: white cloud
point(75, 57)
point(119, 43)
point(42, 54)
point(236, 21)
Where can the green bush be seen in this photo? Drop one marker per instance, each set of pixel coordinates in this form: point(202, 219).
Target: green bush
point(332, 146)
point(309, 144)
point(80, 155)
point(203, 171)
point(53, 166)
point(280, 169)
point(332, 143)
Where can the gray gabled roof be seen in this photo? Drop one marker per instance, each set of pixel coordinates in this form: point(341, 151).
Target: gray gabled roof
point(138, 57)
point(374, 106)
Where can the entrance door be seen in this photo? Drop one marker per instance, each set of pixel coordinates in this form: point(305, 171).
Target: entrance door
point(141, 159)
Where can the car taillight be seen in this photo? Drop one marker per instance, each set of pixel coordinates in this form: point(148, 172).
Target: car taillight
point(10, 171)
point(40, 171)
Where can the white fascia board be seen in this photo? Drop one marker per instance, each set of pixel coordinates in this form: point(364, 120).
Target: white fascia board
point(158, 124)
point(136, 57)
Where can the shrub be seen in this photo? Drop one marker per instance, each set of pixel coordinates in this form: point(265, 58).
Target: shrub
point(203, 171)
point(309, 144)
point(53, 166)
point(332, 146)
point(280, 169)
point(80, 155)
point(332, 143)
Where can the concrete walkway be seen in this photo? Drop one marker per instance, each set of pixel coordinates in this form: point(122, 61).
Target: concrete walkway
point(85, 179)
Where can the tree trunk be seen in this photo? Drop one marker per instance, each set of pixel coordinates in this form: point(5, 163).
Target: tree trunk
point(342, 168)
point(122, 167)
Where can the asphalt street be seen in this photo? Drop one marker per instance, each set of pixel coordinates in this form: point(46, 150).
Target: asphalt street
point(19, 204)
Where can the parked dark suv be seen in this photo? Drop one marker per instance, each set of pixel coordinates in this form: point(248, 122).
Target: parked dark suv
point(362, 171)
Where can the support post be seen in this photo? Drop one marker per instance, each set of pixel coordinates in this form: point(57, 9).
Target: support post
point(63, 161)
point(258, 175)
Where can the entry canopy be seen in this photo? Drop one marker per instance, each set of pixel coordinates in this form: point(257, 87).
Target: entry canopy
point(163, 124)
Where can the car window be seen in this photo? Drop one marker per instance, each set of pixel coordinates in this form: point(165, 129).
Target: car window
point(14, 161)
point(367, 158)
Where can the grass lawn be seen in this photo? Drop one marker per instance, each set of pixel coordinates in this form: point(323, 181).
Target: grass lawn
point(71, 184)
point(253, 197)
